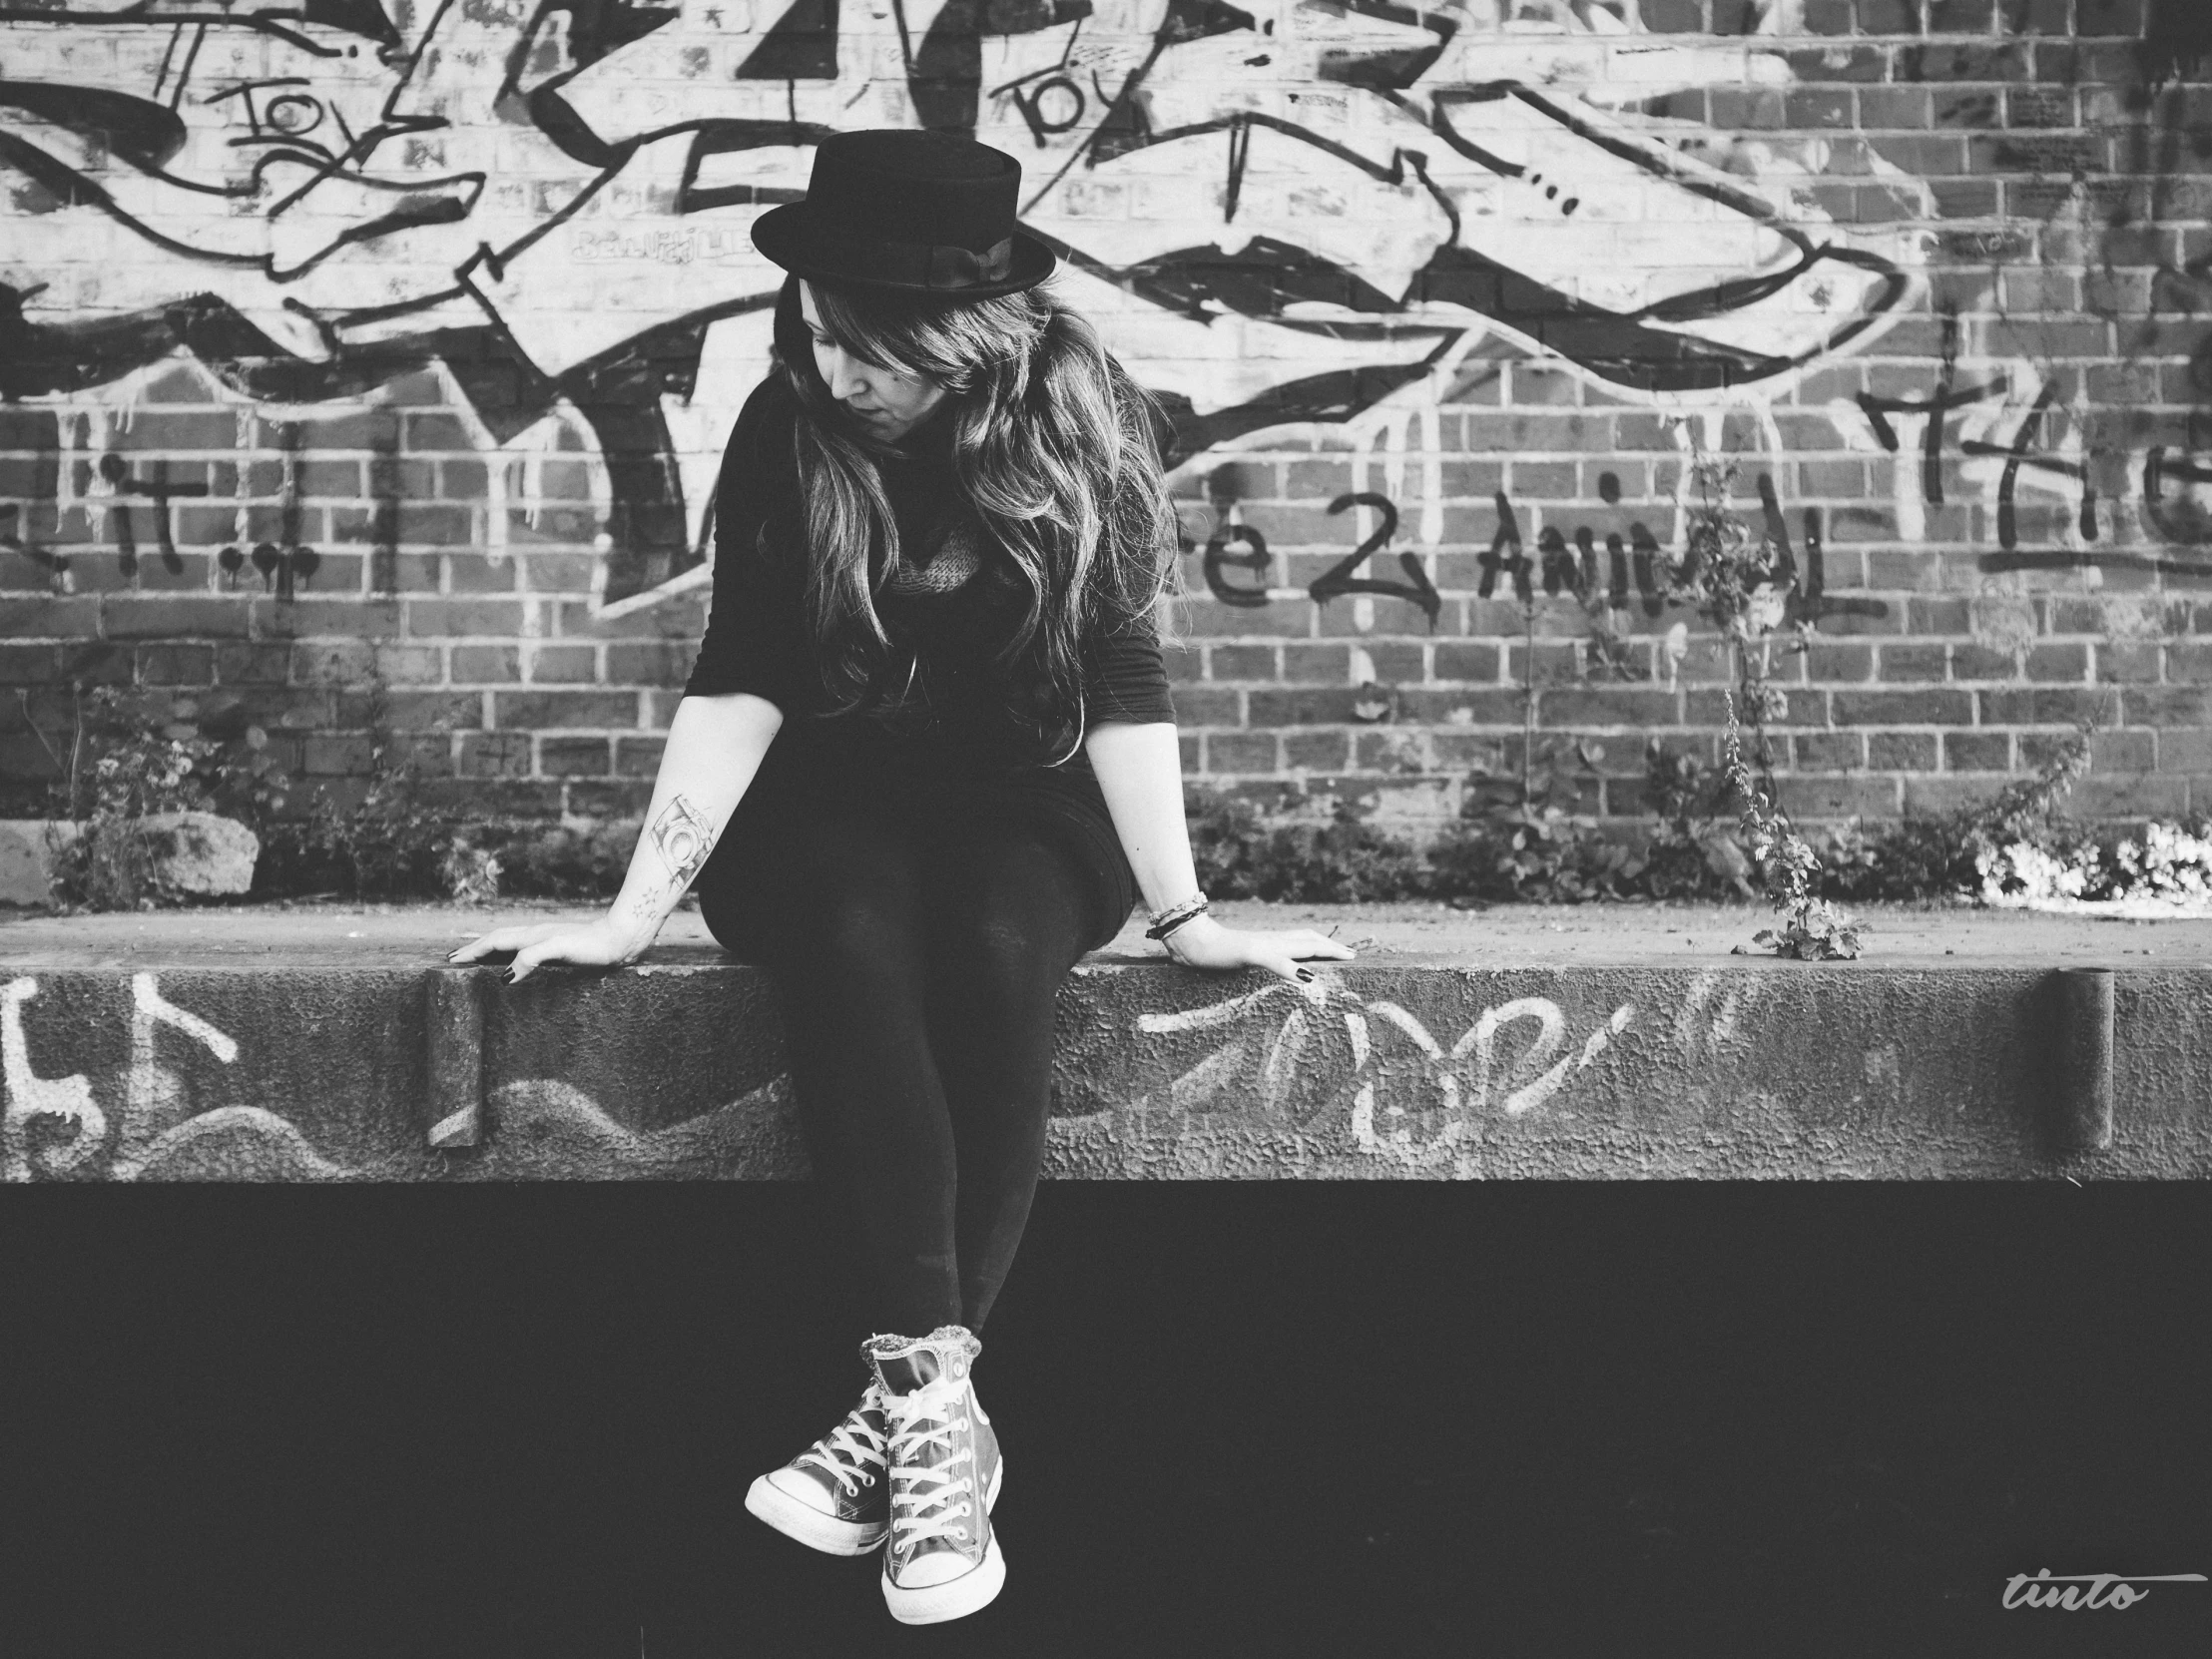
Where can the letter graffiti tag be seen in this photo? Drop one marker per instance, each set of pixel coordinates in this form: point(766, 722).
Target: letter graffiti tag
point(1480, 1067)
point(1557, 566)
point(148, 1086)
point(2022, 459)
point(30, 1097)
point(1530, 1081)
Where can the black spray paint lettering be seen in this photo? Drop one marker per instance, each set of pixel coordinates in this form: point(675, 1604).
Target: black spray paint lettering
point(286, 563)
point(1505, 557)
point(383, 489)
point(2016, 456)
point(158, 490)
point(1947, 398)
point(1809, 600)
point(114, 471)
point(1254, 558)
point(56, 565)
point(1637, 558)
point(1339, 578)
point(282, 564)
point(1235, 545)
point(1575, 571)
point(1050, 106)
point(2159, 470)
point(1222, 486)
point(1945, 401)
point(248, 169)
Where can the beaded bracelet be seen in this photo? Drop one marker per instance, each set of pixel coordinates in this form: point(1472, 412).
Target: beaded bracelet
point(1168, 920)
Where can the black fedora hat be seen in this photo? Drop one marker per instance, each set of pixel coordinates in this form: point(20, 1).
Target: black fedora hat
point(918, 212)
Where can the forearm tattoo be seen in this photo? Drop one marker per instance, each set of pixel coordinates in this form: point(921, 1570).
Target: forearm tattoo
point(683, 838)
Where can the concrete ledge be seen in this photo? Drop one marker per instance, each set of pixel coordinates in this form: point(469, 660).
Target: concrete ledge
point(332, 1043)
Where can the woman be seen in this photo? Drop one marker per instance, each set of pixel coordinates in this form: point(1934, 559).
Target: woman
point(925, 760)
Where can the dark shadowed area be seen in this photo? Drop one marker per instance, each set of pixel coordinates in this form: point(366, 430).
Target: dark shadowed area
point(1450, 1419)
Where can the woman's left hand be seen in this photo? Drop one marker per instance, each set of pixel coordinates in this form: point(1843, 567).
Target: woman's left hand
point(1202, 942)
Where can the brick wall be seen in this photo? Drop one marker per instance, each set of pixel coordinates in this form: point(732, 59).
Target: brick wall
point(420, 432)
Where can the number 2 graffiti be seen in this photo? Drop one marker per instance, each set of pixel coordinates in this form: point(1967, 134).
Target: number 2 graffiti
point(1340, 578)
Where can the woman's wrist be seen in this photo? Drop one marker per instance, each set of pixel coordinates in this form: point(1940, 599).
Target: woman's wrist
point(633, 928)
point(1192, 933)
point(1164, 921)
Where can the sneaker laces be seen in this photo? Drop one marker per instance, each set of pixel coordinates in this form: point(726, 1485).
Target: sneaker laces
point(851, 1450)
point(921, 1420)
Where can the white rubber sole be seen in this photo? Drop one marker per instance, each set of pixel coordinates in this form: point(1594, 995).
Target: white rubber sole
point(972, 1590)
point(808, 1526)
point(956, 1598)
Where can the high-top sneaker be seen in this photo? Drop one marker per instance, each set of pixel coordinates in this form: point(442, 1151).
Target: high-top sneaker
point(832, 1496)
point(941, 1560)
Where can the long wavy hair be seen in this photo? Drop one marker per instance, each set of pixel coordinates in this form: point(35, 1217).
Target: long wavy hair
point(1054, 449)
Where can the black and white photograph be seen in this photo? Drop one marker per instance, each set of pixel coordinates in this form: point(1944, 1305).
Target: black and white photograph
point(1105, 826)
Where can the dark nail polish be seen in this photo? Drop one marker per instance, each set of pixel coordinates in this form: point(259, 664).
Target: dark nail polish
point(1305, 974)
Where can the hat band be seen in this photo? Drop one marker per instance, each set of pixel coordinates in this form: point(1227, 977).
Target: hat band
point(921, 264)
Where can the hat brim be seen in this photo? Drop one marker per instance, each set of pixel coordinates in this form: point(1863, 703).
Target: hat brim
point(783, 235)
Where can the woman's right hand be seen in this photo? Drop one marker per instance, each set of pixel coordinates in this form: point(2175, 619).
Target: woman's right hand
point(582, 944)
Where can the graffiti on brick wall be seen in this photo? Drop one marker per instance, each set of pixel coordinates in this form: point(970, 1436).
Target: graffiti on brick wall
point(2058, 492)
point(1282, 212)
point(131, 501)
point(1567, 560)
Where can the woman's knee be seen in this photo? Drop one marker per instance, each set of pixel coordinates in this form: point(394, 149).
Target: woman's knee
point(1015, 921)
point(866, 933)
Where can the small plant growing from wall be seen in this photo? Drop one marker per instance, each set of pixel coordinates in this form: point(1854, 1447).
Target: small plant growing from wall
point(1742, 586)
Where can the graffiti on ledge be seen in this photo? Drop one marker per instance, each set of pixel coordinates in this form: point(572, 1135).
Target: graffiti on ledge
point(53, 1126)
point(1374, 1073)
point(1340, 1073)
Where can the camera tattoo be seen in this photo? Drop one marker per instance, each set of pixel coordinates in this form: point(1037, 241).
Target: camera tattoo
point(682, 838)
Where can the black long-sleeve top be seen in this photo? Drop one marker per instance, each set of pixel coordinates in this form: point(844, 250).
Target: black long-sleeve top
point(950, 607)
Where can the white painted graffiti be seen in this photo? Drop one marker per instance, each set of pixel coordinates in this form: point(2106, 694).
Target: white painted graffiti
point(155, 1113)
point(1282, 212)
point(30, 1097)
point(1381, 1094)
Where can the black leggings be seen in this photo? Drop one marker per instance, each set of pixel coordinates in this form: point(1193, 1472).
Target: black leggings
point(916, 966)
